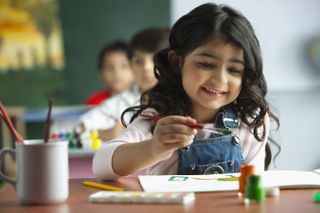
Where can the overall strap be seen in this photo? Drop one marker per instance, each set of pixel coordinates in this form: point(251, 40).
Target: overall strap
point(227, 118)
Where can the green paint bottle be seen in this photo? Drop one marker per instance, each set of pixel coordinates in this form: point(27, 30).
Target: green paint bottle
point(255, 192)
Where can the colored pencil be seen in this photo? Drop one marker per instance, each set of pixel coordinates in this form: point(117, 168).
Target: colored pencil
point(102, 186)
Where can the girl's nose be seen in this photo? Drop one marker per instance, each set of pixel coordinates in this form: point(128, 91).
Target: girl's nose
point(220, 74)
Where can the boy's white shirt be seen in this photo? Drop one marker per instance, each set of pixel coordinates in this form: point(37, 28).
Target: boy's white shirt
point(109, 112)
point(253, 152)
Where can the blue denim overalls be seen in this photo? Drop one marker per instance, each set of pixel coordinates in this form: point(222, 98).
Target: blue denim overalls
point(216, 154)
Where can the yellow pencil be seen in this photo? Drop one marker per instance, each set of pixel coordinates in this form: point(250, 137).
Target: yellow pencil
point(102, 186)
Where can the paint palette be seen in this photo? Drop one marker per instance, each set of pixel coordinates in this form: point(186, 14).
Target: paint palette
point(142, 197)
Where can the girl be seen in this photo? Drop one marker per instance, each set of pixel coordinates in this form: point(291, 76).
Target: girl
point(212, 74)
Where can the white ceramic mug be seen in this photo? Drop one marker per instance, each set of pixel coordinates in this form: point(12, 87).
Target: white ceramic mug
point(42, 171)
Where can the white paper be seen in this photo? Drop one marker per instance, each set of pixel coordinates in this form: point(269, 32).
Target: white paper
point(205, 183)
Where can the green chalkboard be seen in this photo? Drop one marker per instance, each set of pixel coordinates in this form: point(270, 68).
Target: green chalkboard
point(86, 27)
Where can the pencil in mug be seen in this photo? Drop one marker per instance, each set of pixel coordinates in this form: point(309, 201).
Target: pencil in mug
point(102, 186)
point(218, 131)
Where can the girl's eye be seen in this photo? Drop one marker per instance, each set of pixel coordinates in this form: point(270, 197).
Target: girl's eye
point(234, 70)
point(206, 65)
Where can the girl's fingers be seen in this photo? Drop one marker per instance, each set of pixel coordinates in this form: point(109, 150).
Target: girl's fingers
point(176, 128)
point(176, 119)
point(173, 131)
point(177, 145)
point(176, 138)
point(190, 120)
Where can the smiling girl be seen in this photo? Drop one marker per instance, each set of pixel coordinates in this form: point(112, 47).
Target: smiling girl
point(211, 74)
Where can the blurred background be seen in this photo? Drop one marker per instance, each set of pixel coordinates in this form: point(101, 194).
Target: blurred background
point(49, 48)
point(82, 28)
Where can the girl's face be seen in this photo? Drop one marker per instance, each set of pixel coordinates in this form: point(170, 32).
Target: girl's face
point(212, 77)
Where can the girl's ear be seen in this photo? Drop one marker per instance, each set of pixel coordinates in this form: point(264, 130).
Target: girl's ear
point(176, 62)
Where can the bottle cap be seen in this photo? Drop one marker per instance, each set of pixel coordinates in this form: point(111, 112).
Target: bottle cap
point(54, 136)
point(316, 197)
point(68, 135)
point(272, 192)
point(72, 143)
point(247, 169)
point(61, 135)
point(96, 144)
point(94, 134)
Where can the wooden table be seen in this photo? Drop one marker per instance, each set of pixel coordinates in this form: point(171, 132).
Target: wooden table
point(289, 201)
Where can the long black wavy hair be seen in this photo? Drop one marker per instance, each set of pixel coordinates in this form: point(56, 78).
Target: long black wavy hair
point(196, 29)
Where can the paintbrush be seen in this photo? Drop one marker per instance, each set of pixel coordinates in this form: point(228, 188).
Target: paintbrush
point(8, 122)
point(218, 131)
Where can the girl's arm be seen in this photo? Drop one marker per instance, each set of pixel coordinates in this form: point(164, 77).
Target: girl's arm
point(132, 157)
point(170, 133)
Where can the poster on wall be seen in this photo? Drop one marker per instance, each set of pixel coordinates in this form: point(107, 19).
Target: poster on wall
point(30, 36)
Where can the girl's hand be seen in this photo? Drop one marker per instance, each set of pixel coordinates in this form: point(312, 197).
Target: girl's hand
point(109, 134)
point(171, 133)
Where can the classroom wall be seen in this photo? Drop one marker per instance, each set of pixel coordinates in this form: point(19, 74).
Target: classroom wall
point(285, 29)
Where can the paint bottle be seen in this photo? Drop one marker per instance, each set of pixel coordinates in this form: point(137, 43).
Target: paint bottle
point(245, 170)
point(255, 193)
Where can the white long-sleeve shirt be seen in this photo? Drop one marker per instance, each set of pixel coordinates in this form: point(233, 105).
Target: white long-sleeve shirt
point(253, 151)
point(109, 112)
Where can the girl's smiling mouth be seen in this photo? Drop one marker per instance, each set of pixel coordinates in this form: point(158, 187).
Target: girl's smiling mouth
point(213, 92)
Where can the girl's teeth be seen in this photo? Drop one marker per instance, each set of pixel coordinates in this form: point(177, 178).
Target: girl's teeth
point(213, 90)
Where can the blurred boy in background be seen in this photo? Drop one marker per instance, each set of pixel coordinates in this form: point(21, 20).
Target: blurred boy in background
point(115, 71)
